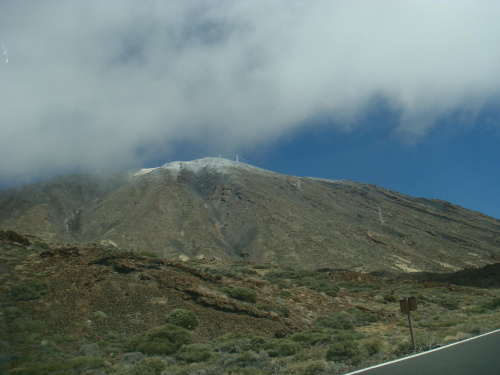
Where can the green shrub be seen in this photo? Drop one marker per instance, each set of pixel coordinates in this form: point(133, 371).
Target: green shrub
point(403, 347)
point(242, 294)
point(166, 339)
point(493, 305)
point(317, 281)
point(196, 353)
point(182, 318)
point(348, 335)
point(345, 351)
point(449, 303)
point(337, 320)
point(62, 339)
point(11, 311)
point(308, 367)
point(100, 315)
point(281, 310)
point(345, 319)
point(81, 364)
point(148, 253)
point(281, 347)
point(28, 290)
point(239, 342)
point(313, 337)
point(149, 366)
point(31, 326)
point(361, 318)
point(390, 298)
point(372, 346)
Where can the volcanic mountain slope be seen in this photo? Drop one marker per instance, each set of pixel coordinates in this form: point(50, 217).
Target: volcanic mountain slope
point(220, 208)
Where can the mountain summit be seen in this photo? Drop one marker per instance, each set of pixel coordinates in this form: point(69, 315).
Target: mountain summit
point(215, 207)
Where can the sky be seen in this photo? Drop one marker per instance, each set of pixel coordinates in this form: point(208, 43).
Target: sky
point(401, 94)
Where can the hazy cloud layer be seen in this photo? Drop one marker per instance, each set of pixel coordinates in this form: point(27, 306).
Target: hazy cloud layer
point(112, 83)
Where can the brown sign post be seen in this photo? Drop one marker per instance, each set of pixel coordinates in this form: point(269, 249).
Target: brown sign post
point(408, 305)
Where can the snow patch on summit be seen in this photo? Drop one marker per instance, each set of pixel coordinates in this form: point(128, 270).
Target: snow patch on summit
point(220, 165)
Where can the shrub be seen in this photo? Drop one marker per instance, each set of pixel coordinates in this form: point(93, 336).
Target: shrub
point(281, 347)
point(346, 319)
point(281, 310)
point(493, 305)
point(240, 342)
point(337, 320)
point(361, 318)
point(390, 298)
point(345, 351)
point(309, 368)
point(242, 294)
point(248, 359)
point(11, 311)
point(313, 337)
point(149, 366)
point(403, 347)
point(166, 339)
point(31, 326)
point(81, 364)
point(372, 345)
point(100, 315)
point(183, 318)
point(148, 253)
point(196, 353)
point(28, 290)
point(449, 303)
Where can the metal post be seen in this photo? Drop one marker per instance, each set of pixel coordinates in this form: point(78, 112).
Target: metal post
point(407, 305)
point(411, 332)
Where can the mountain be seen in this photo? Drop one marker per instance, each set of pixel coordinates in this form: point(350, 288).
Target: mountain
point(233, 211)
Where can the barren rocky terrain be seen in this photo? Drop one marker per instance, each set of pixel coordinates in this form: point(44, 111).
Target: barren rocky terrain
point(216, 208)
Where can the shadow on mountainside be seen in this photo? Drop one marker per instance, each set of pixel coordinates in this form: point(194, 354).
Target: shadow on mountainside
point(484, 277)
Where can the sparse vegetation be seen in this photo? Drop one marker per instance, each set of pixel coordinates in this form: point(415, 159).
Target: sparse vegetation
point(163, 340)
point(196, 353)
point(242, 294)
point(27, 290)
point(281, 347)
point(149, 366)
point(148, 253)
point(281, 310)
point(183, 318)
point(305, 331)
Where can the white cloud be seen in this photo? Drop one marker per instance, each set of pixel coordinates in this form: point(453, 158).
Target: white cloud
point(90, 83)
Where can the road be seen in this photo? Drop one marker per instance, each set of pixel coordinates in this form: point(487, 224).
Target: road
point(478, 355)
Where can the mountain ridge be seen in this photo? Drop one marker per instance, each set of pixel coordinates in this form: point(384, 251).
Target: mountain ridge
point(215, 207)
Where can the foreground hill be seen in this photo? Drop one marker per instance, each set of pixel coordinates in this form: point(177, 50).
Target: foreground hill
point(92, 310)
point(216, 208)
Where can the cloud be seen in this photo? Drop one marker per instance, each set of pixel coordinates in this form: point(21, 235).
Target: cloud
point(111, 84)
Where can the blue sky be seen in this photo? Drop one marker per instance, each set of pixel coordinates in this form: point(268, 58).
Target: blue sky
point(400, 94)
point(462, 168)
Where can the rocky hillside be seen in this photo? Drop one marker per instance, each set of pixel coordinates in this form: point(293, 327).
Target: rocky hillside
point(216, 208)
point(92, 310)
